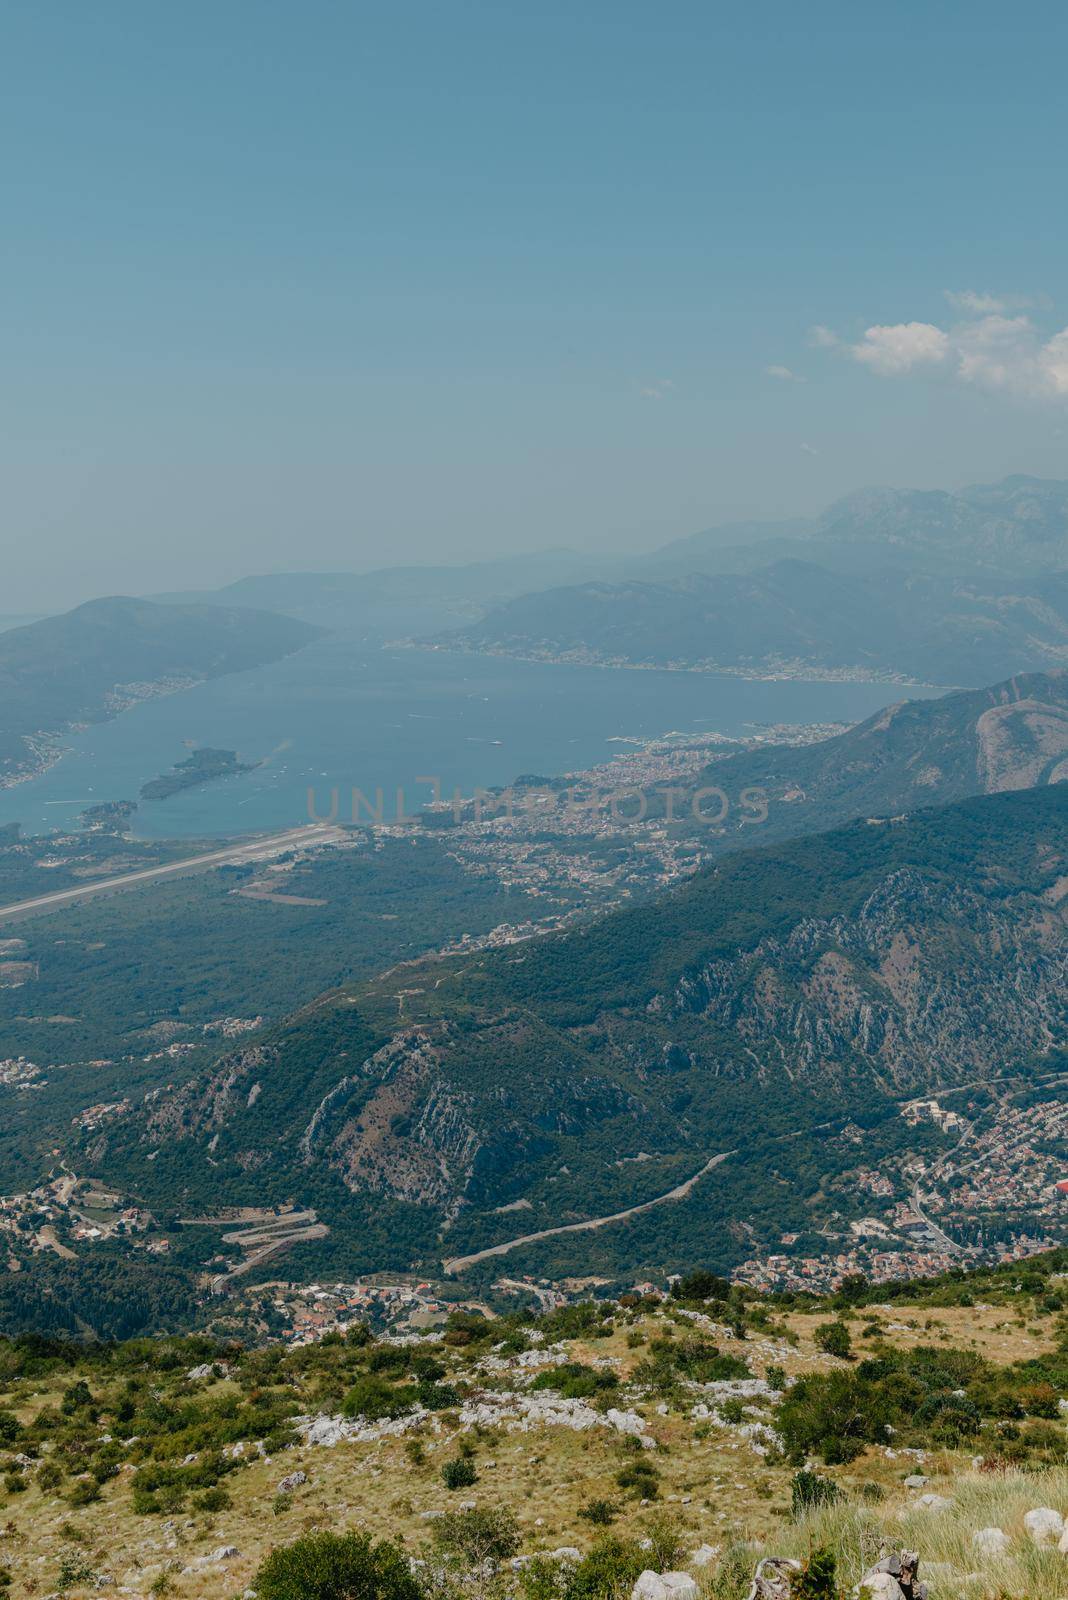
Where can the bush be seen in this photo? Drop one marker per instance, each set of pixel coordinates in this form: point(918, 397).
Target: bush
point(602, 1513)
point(700, 1286)
point(459, 1473)
point(665, 1535)
point(816, 1579)
point(641, 1478)
point(477, 1536)
point(331, 1566)
point(611, 1569)
point(372, 1397)
point(808, 1490)
point(83, 1492)
point(833, 1337)
point(216, 1499)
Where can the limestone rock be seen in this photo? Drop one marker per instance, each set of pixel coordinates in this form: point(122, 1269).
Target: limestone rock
point(664, 1586)
point(1044, 1525)
point(291, 1481)
point(991, 1542)
point(934, 1502)
point(704, 1554)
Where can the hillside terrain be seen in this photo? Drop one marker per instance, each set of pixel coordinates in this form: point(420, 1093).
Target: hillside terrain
point(697, 1433)
point(817, 985)
point(916, 754)
point(90, 663)
point(793, 618)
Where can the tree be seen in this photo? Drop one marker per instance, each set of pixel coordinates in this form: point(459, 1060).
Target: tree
point(331, 1566)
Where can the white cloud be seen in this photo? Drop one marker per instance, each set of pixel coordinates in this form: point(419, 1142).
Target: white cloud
point(976, 304)
point(900, 346)
point(659, 389)
point(809, 451)
point(822, 338)
point(783, 373)
point(986, 350)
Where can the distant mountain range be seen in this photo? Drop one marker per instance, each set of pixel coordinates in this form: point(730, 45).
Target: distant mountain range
point(793, 618)
point(398, 600)
point(1015, 530)
point(87, 664)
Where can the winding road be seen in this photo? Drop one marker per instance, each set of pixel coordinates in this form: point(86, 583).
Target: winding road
point(461, 1263)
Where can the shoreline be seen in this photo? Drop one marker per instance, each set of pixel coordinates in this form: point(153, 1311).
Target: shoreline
point(711, 669)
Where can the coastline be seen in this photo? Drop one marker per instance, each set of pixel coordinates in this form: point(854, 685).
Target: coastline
point(785, 672)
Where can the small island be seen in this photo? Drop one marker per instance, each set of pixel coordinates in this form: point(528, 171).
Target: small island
point(201, 767)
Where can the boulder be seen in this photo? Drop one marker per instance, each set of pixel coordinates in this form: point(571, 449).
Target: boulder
point(934, 1502)
point(916, 1480)
point(224, 1552)
point(991, 1542)
point(704, 1554)
point(664, 1586)
point(291, 1481)
point(895, 1577)
point(1044, 1525)
point(880, 1586)
point(1063, 1546)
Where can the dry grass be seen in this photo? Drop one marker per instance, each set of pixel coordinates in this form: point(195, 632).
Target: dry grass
point(949, 1564)
point(709, 1479)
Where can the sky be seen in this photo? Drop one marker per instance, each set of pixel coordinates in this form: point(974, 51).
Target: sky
point(340, 286)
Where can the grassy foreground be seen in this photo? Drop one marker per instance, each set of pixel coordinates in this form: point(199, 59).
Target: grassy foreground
point(683, 1421)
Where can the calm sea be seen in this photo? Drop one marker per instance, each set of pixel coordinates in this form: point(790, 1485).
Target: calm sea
point(341, 714)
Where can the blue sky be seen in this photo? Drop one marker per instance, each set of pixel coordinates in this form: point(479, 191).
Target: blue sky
point(333, 285)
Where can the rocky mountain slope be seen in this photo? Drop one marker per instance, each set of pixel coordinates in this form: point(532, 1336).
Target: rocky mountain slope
point(89, 663)
point(913, 755)
point(797, 987)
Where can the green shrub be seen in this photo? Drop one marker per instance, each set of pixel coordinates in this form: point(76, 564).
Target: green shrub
point(641, 1477)
point(459, 1473)
point(833, 1337)
point(816, 1580)
point(372, 1397)
point(610, 1570)
point(808, 1490)
point(477, 1536)
point(83, 1492)
point(602, 1513)
point(216, 1499)
point(330, 1566)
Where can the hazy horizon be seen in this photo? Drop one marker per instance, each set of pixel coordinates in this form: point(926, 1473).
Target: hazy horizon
point(353, 288)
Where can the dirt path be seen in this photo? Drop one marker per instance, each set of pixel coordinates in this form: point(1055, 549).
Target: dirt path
point(461, 1263)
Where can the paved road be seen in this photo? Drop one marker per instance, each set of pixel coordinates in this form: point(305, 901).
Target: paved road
point(461, 1263)
point(251, 850)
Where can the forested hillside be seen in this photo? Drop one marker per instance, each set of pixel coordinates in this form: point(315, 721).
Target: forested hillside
point(798, 987)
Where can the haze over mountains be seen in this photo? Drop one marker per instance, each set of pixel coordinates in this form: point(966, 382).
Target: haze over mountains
point(795, 619)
